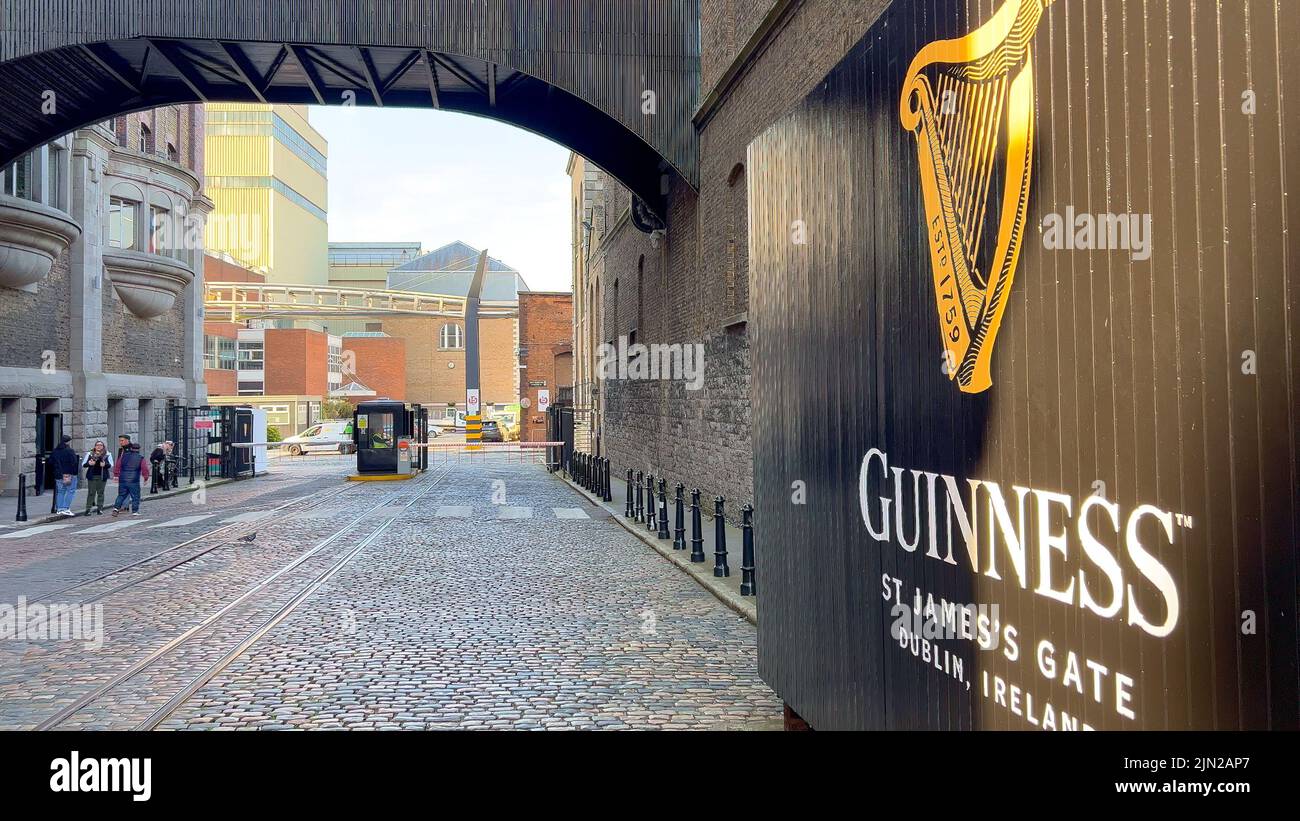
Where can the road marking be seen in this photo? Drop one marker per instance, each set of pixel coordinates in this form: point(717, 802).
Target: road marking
point(251, 516)
point(570, 513)
point(454, 512)
point(35, 531)
point(514, 512)
point(111, 526)
point(184, 520)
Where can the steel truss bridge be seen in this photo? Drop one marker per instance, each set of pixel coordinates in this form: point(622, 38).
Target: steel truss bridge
point(240, 301)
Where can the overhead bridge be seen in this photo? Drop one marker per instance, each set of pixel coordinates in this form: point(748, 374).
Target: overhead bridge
point(239, 301)
point(614, 81)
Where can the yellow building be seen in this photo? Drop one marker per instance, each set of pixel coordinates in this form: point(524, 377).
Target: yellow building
point(266, 174)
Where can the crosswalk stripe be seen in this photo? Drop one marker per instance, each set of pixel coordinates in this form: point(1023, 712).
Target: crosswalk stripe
point(454, 512)
point(111, 526)
point(251, 516)
point(184, 520)
point(570, 513)
point(514, 513)
point(35, 531)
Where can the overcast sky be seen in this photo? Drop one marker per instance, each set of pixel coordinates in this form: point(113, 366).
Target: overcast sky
point(414, 175)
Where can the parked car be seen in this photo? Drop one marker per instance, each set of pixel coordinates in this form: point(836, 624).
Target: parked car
point(492, 431)
point(334, 436)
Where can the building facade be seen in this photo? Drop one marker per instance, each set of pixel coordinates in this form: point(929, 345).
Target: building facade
point(435, 346)
point(266, 173)
point(757, 60)
point(101, 283)
point(546, 357)
point(377, 361)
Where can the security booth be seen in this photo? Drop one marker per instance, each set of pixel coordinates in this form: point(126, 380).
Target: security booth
point(387, 434)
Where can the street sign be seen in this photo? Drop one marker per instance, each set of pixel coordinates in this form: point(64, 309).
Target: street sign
point(471, 402)
point(537, 383)
point(204, 424)
point(543, 400)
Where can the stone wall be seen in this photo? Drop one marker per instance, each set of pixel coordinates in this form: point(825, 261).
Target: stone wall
point(32, 324)
point(145, 347)
point(694, 283)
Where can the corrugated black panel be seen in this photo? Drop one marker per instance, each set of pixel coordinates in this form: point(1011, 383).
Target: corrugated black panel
point(608, 54)
point(1171, 380)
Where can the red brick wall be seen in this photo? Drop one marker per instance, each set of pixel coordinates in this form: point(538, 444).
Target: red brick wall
point(222, 382)
point(380, 364)
point(218, 270)
point(297, 362)
point(545, 332)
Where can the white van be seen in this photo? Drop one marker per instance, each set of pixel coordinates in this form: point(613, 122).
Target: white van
point(332, 436)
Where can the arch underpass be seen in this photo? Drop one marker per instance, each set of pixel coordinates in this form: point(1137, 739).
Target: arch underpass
point(615, 82)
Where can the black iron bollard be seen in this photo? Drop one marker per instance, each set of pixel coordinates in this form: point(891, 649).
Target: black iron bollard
point(720, 567)
point(21, 516)
point(663, 509)
point(747, 551)
point(639, 512)
point(627, 509)
point(609, 491)
point(650, 518)
point(679, 531)
point(697, 529)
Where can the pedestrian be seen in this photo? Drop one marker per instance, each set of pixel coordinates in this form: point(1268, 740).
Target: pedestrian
point(123, 442)
point(99, 467)
point(129, 470)
point(62, 462)
point(156, 460)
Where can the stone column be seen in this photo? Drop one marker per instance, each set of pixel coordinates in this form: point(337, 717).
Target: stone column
point(88, 419)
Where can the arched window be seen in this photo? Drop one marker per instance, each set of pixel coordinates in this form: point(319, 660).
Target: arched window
point(640, 300)
point(452, 336)
point(738, 244)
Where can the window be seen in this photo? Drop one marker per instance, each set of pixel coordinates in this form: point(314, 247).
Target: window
point(18, 178)
point(251, 389)
point(121, 222)
point(452, 336)
point(276, 414)
point(218, 353)
point(314, 430)
point(159, 230)
point(250, 356)
point(172, 154)
point(146, 140)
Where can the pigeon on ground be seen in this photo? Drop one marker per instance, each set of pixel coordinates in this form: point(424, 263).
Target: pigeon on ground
point(251, 537)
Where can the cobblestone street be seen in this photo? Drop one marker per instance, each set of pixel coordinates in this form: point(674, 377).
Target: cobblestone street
point(485, 595)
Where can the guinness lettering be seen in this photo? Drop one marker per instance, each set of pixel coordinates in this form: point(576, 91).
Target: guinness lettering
point(1049, 542)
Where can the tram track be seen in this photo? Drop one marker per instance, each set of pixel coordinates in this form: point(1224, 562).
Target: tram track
point(228, 533)
point(280, 613)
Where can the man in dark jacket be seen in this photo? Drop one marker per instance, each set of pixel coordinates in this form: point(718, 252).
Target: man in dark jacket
point(129, 470)
point(66, 467)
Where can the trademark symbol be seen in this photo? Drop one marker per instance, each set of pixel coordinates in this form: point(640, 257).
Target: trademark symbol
point(1183, 520)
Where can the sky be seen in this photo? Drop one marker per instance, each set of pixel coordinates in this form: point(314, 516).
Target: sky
point(407, 175)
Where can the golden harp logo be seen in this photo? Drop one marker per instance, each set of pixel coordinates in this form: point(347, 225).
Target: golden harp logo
point(970, 103)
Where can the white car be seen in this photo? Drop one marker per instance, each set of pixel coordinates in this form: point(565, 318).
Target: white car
point(327, 436)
